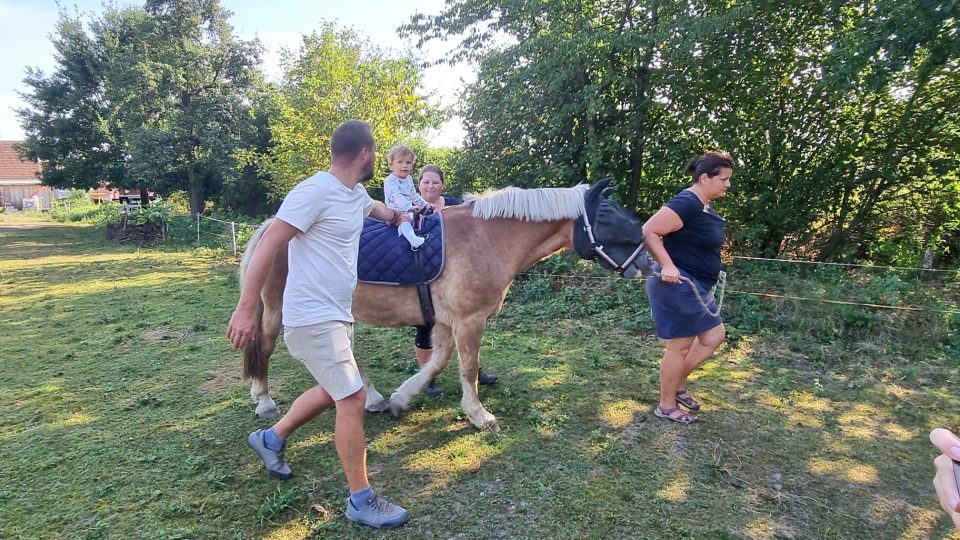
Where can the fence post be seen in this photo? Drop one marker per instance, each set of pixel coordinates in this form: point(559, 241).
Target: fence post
point(927, 275)
point(198, 227)
point(233, 235)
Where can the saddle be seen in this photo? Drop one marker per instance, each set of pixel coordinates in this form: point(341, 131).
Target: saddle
point(386, 258)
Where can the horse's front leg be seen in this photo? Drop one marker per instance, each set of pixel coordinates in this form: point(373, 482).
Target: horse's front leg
point(469, 335)
point(442, 340)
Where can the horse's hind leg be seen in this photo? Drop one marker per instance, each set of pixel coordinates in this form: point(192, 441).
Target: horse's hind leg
point(442, 347)
point(375, 400)
point(469, 334)
point(267, 342)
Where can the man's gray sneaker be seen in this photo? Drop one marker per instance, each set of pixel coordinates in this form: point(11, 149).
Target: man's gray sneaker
point(272, 461)
point(379, 514)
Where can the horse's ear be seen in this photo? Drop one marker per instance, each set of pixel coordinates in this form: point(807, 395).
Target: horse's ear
point(606, 192)
point(597, 189)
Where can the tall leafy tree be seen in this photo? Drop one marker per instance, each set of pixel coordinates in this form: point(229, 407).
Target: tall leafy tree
point(333, 77)
point(68, 121)
point(566, 92)
point(169, 88)
point(838, 112)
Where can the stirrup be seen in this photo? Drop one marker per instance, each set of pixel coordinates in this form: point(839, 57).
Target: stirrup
point(421, 245)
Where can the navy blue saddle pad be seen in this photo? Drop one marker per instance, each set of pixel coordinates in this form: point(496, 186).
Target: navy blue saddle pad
point(386, 258)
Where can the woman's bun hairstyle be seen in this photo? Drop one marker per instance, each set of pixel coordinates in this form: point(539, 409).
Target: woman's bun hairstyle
point(709, 163)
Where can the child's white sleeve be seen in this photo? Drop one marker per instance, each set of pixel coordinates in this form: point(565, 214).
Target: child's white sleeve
point(393, 195)
point(412, 195)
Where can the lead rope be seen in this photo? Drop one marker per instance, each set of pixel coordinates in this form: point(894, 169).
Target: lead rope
point(721, 281)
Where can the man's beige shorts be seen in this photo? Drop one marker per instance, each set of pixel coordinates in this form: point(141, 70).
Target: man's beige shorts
point(327, 350)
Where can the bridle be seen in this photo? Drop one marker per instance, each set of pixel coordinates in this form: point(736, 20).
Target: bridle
point(597, 248)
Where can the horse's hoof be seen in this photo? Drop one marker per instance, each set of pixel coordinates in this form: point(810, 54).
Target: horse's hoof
point(492, 426)
point(267, 411)
point(487, 422)
point(379, 407)
point(398, 404)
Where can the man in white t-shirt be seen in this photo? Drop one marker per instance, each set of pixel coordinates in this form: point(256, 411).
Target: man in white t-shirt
point(320, 222)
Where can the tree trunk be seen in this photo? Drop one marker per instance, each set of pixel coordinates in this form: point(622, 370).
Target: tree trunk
point(196, 193)
point(144, 197)
point(642, 102)
point(839, 235)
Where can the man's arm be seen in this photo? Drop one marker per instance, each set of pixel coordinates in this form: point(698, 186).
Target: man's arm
point(383, 213)
point(243, 323)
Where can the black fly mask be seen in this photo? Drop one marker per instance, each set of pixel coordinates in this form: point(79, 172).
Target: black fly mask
point(610, 234)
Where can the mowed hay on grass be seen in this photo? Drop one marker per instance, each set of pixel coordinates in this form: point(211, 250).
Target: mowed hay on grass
point(126, 418)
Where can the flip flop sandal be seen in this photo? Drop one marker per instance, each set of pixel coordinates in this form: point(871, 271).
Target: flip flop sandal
point(675, 414)
point(684, 398)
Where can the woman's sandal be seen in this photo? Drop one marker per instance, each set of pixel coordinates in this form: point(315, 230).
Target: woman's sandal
point(684, 398)
point(675, 414)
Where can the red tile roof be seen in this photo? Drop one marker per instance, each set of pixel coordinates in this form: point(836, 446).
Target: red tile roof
point(12, 167)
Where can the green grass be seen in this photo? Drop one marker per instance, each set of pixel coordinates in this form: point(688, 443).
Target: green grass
point(125, 414)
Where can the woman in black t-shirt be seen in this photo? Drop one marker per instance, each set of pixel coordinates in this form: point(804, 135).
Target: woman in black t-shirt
point(685, 237)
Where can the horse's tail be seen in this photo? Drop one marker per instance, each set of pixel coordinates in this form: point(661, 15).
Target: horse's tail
point(251, 246)
point(254, 365)
point(253, 361)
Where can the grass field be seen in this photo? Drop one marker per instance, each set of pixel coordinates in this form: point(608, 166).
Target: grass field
point(125, 415)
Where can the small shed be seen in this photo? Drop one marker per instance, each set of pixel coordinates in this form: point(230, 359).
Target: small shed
point(20, 185)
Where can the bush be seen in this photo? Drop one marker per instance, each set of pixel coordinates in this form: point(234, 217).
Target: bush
point(81, 209)
point(563, 287)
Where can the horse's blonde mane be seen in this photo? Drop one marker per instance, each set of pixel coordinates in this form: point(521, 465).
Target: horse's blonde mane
point(542, 204)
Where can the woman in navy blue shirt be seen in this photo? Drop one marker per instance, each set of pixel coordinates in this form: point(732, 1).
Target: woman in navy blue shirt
point(685, 237)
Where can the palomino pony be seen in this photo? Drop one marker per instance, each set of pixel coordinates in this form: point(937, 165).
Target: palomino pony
point(489, 239)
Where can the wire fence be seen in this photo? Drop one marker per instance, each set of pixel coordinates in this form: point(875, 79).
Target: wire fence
point(203, 230)
point(849, 265)
point(772, 295)
point(230, 229)
point(236, 233)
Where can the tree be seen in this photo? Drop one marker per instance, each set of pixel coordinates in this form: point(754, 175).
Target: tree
point(837, 112)
point(571, 95)
point(248, 192)
point(68, 123)
point(157, 97)
point(333, 78)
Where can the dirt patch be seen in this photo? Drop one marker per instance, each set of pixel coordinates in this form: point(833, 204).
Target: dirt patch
point(164, 334)
point(632, 432)
point(227, 377)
